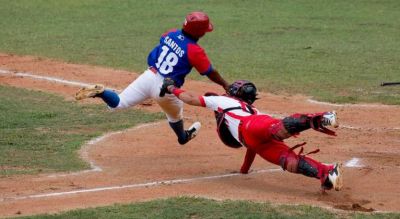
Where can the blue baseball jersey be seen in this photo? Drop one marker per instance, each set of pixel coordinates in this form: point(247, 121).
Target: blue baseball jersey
point(176, 55)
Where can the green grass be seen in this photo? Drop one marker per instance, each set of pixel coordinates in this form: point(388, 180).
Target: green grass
point(40, 132)
point(337, 51)
point(188, 207)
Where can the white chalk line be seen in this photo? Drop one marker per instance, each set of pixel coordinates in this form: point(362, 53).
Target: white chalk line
point(53, 79)
point(82, 84)
point(47, 78)
point(353, 163)
point(369, 129)
point(139, 185)
point(349, 105)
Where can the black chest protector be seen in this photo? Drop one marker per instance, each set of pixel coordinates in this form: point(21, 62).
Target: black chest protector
point(223, 131)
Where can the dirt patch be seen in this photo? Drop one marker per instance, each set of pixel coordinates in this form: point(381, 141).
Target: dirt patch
point(354, 207)
point(138, 165)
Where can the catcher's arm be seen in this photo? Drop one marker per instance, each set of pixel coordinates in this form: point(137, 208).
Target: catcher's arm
point(248, 160)
point(186, 96)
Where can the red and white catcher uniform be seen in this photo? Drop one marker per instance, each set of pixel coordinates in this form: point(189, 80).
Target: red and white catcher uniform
point(256, 132)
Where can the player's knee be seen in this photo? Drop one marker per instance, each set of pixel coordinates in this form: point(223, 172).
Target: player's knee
point(289, 161)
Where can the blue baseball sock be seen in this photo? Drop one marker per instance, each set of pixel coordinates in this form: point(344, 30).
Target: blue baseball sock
point(179, 131)
point(110, 97)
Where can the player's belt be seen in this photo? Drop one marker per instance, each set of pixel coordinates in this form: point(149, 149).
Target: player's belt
point(154, 70)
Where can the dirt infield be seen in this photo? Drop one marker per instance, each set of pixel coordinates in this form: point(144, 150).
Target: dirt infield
point(141, 163)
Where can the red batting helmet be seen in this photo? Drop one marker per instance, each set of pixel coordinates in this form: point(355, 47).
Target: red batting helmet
point(197, 24)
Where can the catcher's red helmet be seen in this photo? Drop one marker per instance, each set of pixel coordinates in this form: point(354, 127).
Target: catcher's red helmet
point(197, 24)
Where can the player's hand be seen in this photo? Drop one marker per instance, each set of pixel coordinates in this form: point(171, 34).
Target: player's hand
point(166, 87)
point(226, 88)
point(244, 170)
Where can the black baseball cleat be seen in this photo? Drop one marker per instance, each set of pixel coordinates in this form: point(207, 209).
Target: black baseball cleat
point(191, 132)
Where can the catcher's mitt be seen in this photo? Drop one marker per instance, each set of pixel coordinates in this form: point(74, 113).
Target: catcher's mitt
point(164, 88)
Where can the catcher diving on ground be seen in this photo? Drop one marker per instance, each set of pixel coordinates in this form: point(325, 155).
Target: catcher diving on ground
point(239, 124)
point(174, 57)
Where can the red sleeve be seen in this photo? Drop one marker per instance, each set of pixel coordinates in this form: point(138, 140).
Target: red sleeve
point(169, 31)
point(198, 59)
point(203, 103)
point(248, 160)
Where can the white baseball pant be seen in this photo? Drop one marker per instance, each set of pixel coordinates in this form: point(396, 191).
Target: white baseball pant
point(146, 86)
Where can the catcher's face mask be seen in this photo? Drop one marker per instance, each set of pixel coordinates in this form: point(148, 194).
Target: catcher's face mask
point(244, 90)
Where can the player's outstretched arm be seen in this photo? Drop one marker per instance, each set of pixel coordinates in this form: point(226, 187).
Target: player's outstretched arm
point(186, 96)
point(248, 160)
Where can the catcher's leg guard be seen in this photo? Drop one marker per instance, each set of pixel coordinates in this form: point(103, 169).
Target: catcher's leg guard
point(279, 153)
point(312, 168)
point(306, 166)
point(297, 123)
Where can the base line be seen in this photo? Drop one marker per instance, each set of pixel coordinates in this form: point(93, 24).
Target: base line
point(47, 78)
point(140, 185)
point(354, 162)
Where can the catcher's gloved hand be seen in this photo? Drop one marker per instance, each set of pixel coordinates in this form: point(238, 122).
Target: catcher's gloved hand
point(164, 88)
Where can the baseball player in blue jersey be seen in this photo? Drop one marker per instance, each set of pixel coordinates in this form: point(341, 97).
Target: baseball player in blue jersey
point(174, 57)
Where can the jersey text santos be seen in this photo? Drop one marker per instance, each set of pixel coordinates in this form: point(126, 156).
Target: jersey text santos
point(176, 55)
